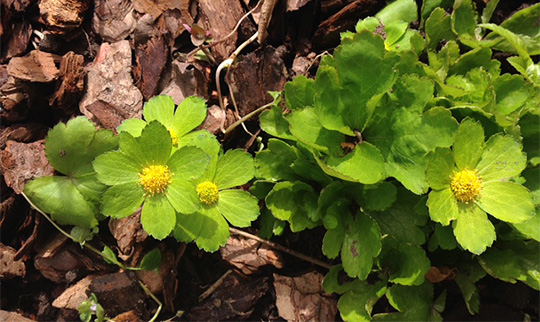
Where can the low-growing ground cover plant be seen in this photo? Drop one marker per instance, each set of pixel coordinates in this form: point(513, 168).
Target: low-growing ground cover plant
point(411, 148)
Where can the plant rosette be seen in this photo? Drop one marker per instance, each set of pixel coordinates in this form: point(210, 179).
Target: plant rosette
point(189, 114)
point(474, 178)
point(208, 226)
point(143, 171)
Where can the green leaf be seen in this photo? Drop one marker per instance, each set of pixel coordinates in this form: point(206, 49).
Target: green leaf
point(511, 93)
point(476, 58)
point(413, 92)
point(207, 142)
point(234, 168)
point(299, 93)
point(295, 202)
point(428, 6)
point(152, 260)
point(71, 147)
point(442, 237)
point(438, 27)
point(522, 23)
point(158, 216)
point(189, 114)
point(91, 189)
point(333, 239)
point(110, 257)
point(240, 208)
point(207, 227)
point(518, 261)
point(130, 146)
point(188, 163)
point(412, 302)
point(116, 168)
point(439, 168)
point(327, 100)
point(274, 162)
point(502, 159)
point(529, 228)
point(468, 144)
point(464, 20)
point(306, 127)
point(122, 200)
point(156, 143)
point(407, 264)
point(379, 196)
point(361, 245)
point(400, 10)
point(274, 123)
point(443, 206)
point(506, 201)
point(470, 292)
point(358, 303)
point(365, 164)
point(59, 197)
point(183, 196)
point(473, 231)
point(365, 71)
point(401, 221)
point(415, 136)
point(159, 108)
point(132, 126)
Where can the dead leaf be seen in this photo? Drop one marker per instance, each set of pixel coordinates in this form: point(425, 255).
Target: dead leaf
point(303, 299)
point(37, 66)
point(293, 5)
point(215, 120)
point(9, 267)
point(249, 255)
point(18, 40)
point(151, 60)
point(21, 162)
point(439, 274)
point(156, 7)
point(184, 80)
point(109, 80)
point(128, 232)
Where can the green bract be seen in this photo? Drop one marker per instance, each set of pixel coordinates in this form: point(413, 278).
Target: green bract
point(188, 115)
point(473, 179)
point(143, 171)
point(219, 203)
point(73, 199)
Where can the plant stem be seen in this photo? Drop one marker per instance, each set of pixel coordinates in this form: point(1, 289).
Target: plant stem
point(246, 117)
point(160, 305)
point(281, 248)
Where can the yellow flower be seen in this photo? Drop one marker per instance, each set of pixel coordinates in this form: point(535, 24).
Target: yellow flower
point(466, 185)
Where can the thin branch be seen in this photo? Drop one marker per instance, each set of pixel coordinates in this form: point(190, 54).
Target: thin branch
point(281, 248)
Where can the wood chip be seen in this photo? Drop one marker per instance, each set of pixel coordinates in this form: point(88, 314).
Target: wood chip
point(327, 34)
point(74, 295)
point(233, 299)
point(249, 255)
point(293, 5)
point(303, 299)
point(6, 316)
point(220, 18)
point(21, 162)
point(118, 293)
point(18, 39)
point(251, 79)
point(9, 267)
point(63, 15)
point(109, 81)
point(156, 7)
point(23, 133)
point(69, 91)
point(113, 20)
point(37, 66)
point(128, 232)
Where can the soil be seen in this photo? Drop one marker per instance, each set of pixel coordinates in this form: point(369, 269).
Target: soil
point(103, 59)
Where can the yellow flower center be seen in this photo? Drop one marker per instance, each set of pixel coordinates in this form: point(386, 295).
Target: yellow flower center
point(174, 137)
point(466, 185)
point(208, 192)
point(155, 178)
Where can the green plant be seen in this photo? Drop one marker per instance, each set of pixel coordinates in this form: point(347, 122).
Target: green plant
point(91, 307)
